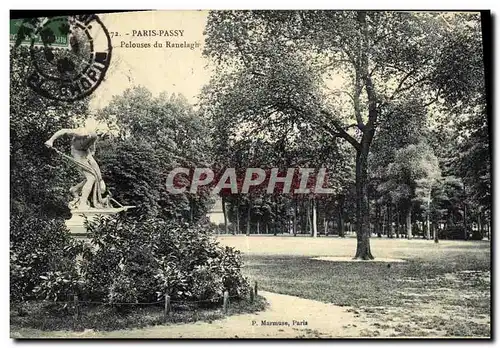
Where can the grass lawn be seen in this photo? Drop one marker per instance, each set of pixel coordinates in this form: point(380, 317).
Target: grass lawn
point(442, 290)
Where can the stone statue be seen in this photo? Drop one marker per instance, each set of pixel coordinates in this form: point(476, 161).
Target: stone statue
point(83, 145)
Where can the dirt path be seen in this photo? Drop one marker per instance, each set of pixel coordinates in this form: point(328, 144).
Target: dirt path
point(298, 318)
point(438, 309)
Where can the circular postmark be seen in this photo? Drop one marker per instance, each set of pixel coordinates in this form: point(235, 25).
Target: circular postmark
point(70, 56)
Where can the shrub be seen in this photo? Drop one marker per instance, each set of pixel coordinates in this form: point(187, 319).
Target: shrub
point(456, 232)
point(58, 285)
point(41, 251)
point(122, 290)
point(477, 235)
point(142, 260)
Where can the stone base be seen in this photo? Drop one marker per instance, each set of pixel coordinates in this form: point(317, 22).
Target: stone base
point(76, 223)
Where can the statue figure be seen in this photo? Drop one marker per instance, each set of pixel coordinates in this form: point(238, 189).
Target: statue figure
point(82, 150)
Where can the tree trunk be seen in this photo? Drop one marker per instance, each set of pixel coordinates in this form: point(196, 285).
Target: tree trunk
point(362, 215)
point(427, 227)
point(383, 222)
point(341, 217)
point(466, 229)
point(368, 209)
point(363, 77)
point(325, 225)
point(224, 212)
point(435, 231)
point(295, 217)
point(308, 217)
point(379, 220)
point(303, 217)
point(466, 234)
point(390, 227)
point(314, 219)
point(341, 225)
point(398, 219)
point(408, 223)
point(275, 223)
point(258, 226)
point(479, 223)
point(249, 216)
point(238, 214)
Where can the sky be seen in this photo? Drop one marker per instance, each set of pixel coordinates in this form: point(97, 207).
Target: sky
point(172, 70)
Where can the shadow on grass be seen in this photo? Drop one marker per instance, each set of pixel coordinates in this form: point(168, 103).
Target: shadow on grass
point(362, 283)
point(439, 294)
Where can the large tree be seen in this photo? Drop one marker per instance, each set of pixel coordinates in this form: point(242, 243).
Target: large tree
point(255, 124)
point(378, 57)
point(40, 178)
point(148, 137)
point(39, 183)
point(462, 133)
point(402, 163)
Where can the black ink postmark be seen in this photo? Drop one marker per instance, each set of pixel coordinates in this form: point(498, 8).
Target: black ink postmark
point(70, 56)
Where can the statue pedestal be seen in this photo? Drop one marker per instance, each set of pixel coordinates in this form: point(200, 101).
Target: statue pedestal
point(76, 223)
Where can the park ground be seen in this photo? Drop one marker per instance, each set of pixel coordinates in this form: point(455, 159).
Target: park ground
point(440, 290)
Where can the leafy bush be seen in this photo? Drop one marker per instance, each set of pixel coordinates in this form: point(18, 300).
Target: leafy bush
point(127, 261)
point(41, 251)
point(58, 285)
point(477, 235)
point(456, 232)
point(39, 177)
point(122, 290)
point(140, 261)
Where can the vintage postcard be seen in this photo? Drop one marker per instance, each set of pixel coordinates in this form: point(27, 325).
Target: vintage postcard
point(295, 174)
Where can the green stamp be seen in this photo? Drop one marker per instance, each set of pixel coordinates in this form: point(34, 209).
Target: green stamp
point(25, 32)
point(69, 55)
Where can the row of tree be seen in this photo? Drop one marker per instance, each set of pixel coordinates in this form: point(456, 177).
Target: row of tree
point(402, 89)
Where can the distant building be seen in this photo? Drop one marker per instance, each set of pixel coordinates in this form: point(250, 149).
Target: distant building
point(216, 215)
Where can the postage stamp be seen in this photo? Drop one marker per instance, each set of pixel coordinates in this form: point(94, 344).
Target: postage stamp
point(70, 56)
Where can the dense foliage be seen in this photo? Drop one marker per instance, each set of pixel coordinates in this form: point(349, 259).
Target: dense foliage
point(40, 249)
point(151, 252)
point(132, 261)
point(39, 178)
point(149, 136)
point(381, 82)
